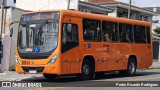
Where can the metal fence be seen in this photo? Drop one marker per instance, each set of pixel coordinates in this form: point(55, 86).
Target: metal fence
point(1, 51)
point(155, 49)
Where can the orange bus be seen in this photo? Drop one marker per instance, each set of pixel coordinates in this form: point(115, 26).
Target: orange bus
point(71, 42)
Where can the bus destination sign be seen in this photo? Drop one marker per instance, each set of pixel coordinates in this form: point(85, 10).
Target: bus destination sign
point(40, 16)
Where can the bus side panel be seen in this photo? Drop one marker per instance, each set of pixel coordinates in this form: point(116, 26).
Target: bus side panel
point(95, 49)
point(125, 50)
point(150, 55)
point(114, 56)
point(141, 53)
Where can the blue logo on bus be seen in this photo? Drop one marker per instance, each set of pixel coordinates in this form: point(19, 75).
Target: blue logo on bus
point(89, 45)
point(36, 48)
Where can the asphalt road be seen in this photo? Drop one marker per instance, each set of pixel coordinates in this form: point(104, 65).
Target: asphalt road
point(72, 82)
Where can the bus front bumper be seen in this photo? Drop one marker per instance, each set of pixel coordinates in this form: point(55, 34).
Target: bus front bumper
point(37, 69)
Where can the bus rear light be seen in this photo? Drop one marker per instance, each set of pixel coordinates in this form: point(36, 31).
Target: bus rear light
point(17, 61)
point(53, 59)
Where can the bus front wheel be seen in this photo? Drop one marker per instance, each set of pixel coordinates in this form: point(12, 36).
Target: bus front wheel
point(86, 71)
point(50, 76)
point(131, 70)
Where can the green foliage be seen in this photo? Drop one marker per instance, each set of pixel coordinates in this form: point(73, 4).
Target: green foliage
point(157, 30)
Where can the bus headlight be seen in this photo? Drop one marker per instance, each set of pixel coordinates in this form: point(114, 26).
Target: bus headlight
point(53, 59)
point(17, 61)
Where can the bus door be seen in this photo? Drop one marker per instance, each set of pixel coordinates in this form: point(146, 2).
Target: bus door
point(70, 45)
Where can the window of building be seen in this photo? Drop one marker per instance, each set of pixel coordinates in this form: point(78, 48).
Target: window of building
point(91, 30)
point(148, 35)
point(143, 18)
point(139, 34)
point(110, 31)
point(83, 10)
point(125, 32)
point(122, 14)
point(69, 37)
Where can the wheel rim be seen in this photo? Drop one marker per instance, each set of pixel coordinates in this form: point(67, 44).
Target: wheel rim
point(131, 68)
point(86, 70)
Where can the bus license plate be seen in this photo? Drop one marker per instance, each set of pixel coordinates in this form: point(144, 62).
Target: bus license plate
point(32, 71)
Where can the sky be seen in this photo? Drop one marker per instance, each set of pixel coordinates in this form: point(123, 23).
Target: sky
point(144, 3)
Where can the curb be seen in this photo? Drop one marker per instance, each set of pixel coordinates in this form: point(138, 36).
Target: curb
point(154, 68)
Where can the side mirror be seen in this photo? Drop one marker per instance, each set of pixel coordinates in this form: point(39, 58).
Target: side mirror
point(11, 32)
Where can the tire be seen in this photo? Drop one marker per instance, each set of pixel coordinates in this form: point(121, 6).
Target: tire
point(50, 76)
point(86, 70)
point(131, 68)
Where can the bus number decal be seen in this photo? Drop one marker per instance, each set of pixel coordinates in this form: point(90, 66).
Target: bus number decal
point(106, 48)
point(25, 62)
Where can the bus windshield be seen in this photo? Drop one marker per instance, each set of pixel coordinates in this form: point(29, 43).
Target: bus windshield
point(37, 36)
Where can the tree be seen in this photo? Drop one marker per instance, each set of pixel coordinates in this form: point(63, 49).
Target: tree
point(157, 30)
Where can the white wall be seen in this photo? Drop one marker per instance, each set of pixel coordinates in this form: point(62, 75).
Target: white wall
point(37, 5)
point(114, 13)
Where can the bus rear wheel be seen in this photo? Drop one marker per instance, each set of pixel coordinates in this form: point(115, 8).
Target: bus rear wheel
point(86, 71)
point(131, 68)
point(50, 76)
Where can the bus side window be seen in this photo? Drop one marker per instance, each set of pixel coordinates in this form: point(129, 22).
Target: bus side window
point(69, 37)
point(110, 31)
point(91, 30)
point(125, 33)
point(139, 34)
point(148, 35)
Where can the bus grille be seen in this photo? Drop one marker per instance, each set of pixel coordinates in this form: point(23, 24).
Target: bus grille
point(38, 69)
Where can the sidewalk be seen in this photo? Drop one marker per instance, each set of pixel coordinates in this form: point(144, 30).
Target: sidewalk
point(155, 65)
point(14, 76)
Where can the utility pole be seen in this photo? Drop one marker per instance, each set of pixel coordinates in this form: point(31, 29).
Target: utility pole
point(129, 10)
point(2, 18)
point(68, 2)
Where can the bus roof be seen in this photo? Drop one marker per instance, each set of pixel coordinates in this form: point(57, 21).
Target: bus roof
point(75, 13)
point(103, 17)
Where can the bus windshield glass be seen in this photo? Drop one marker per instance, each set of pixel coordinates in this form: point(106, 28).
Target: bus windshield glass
point(38, 33)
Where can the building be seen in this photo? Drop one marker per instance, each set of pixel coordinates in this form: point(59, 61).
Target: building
point(9, 2)
point(107, 7)
point(120, 9)
point(156, 19)
point(11, 19)
point(37, 5)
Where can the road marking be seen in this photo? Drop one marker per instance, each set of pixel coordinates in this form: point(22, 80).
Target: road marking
point(140, 79)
